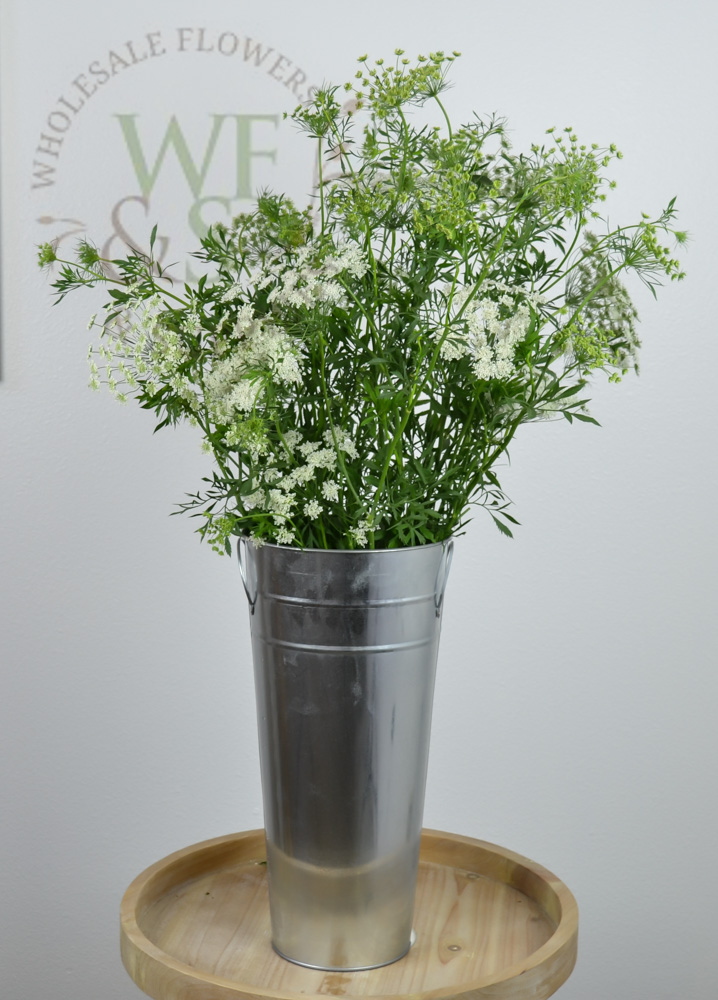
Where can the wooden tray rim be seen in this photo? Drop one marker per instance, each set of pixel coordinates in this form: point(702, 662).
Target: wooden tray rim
point(563, 937)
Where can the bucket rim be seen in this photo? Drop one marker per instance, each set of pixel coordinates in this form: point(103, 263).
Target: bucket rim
point(349, 552)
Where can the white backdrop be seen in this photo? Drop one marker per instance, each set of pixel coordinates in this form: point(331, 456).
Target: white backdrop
point(576, 702)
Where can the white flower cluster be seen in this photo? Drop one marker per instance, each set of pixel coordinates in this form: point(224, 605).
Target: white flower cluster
point(304, 282)
point(140, 344)
point(487, 328)
point(234, 292)
point(359, 533)
point(233, 386)
point(278, 492)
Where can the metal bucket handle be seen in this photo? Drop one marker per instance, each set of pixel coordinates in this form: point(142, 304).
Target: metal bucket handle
point(442, 575)
point(244, 574)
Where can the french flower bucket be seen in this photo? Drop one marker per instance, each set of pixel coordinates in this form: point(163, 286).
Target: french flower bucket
point(344, 647)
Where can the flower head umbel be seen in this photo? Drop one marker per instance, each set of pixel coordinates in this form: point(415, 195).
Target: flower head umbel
point(358, 368)
point(46, 254)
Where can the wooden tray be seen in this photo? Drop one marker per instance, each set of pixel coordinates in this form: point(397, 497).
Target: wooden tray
point(195, 926)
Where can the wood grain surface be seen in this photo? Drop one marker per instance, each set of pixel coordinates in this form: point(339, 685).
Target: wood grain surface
point(489, 923)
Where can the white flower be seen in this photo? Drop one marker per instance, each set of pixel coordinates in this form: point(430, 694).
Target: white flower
point(241, 398)
point(313, 509)
point(343, 443)
point(292, 439)
point(230, 388)
point(256, 499)
point(280, 503)
point(245, 320)
point(287, 369)
point(478, 329)
point(454, 347)
point(191, 323)
point(324, 458)
point(285, 536)
point(234, 291)
point(331, 292)
point(330, 490)
point(132, 383)
point(308, 282)
point(298, 476)
point(348, 446)
point(359, 533)
point(91, 321)
point(352, 259)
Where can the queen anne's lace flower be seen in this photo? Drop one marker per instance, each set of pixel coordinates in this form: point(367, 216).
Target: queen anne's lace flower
point(292, 439)
point(256, 499)
point(486, 328)
point(234, 292)
point(141, 341)
point(235, 382)
point(359, 534)
point(313, 509)
point(343, 441)
point(306, 282)
point(281, 503)
point(330, 490)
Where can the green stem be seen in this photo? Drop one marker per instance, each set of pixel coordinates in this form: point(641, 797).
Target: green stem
point(337, 449)
point(443, 110)
point(95, 276)
point(342, 160)
point(595, 251)
point(321, 182)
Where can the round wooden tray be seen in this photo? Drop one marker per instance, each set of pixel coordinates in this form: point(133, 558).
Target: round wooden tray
point(488, 923)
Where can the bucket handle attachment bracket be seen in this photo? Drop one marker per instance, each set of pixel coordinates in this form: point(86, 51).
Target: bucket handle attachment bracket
point(244, 565)
point(442, 575)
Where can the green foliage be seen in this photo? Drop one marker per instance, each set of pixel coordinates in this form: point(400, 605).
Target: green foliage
point(358, 370)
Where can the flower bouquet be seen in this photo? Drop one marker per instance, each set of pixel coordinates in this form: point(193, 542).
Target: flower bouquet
point(357, 369)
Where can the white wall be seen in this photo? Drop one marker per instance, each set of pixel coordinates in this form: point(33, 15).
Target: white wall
point(576, 703)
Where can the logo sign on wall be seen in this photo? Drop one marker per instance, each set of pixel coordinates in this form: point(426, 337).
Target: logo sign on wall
point(180, 126)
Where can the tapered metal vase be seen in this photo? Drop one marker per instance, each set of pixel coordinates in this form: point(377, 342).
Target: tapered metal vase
point(344, 646)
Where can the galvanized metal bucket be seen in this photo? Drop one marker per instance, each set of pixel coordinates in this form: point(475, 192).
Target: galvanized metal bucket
point(345, 646)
